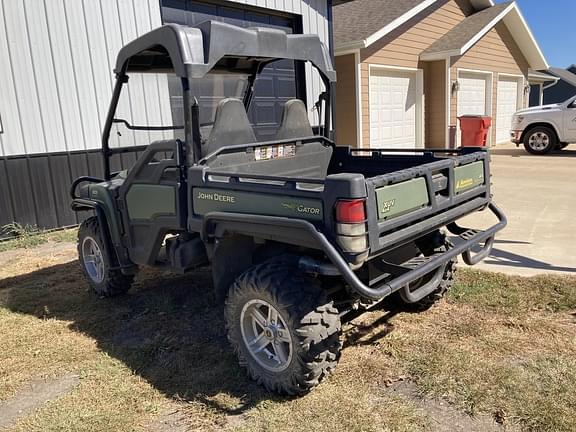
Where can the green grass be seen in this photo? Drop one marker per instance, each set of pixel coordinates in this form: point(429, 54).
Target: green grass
point(499, 346)
point(26, 236)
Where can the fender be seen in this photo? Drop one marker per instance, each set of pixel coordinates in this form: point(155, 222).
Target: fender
point(544, 122)
point(112, 236)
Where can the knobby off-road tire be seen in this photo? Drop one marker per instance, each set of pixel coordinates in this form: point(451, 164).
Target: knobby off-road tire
point(309, 350)
point(96, 263)
point(445, 284)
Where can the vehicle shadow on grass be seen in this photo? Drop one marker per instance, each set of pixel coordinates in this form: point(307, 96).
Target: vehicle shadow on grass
point(167, 330)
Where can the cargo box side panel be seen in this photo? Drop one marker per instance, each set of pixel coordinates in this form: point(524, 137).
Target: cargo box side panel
point(468, 176)
point(206, 200)
point(399, 199)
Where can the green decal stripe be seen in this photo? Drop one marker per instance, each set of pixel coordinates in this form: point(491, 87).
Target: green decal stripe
point(469, 176)
point(398, 199)
point(208, 200)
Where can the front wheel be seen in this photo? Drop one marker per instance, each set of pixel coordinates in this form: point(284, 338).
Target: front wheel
point(540, 140)
point(283, 328)
point(97, 265)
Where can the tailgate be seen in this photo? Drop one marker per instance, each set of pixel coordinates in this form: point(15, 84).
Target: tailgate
point(404, 205)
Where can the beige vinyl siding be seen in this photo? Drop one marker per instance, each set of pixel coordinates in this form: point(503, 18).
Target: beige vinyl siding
point(496, 52)
point(346, 101)
point(435, 104)
point(402, 48)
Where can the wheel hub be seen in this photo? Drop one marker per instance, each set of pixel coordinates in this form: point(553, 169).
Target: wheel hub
point(93, 259)
point(539, 141)
point(266, 335)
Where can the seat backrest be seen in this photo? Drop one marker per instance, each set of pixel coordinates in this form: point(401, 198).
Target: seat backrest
point(231, 126)
point(295, 123)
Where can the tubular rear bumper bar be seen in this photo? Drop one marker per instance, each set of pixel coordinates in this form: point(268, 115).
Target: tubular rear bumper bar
point(471, 238)
point(241, 223)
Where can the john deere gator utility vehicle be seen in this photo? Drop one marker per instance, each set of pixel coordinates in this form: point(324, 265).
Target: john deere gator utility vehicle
point(298, 231)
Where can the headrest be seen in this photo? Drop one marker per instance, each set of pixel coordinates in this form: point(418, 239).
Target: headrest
point(231, 126)
point(295, 123)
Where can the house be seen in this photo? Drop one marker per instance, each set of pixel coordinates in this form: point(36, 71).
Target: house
point(560, 86)
point(408, 68)
point(56, 82)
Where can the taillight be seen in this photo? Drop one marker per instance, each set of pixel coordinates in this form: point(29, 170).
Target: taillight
point(351, 232)
point(350, 211)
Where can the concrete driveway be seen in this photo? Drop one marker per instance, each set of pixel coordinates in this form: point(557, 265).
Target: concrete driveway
point(538, 195)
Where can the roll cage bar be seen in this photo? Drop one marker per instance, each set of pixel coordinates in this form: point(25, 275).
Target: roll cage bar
point(193, 52)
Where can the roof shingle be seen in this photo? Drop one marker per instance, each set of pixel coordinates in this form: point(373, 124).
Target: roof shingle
point(357, 20)
point(465, 30)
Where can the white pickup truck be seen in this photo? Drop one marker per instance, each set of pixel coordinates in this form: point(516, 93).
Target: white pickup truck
point(545, 128)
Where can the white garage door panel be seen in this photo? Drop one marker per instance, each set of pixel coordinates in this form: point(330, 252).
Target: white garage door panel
point(392, 109)
point(472, 95)
point(507, 105)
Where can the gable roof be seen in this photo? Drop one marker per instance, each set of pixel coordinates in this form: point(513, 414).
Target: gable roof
point(359, 23)
point(564, 75)
point(468, 31)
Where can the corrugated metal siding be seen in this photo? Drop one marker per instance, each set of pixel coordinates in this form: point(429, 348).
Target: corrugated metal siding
point(56, 80)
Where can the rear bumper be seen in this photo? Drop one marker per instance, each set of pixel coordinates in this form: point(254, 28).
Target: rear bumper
point(471, 238)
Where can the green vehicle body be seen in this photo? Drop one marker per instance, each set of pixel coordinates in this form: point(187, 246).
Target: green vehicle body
point(370, 222)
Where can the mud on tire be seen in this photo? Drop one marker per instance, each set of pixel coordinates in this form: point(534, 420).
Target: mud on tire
point(105, 281)
point(310, 318)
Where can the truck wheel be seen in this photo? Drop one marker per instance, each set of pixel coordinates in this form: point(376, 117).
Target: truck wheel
point(96, 263)
point(283, 328)
point(540, 140)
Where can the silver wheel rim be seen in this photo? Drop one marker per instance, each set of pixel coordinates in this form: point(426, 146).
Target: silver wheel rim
point(266, 335)
point(93, 259)
point(539, 141)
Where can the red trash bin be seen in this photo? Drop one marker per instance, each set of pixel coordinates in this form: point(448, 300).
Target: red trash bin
point(474, 130)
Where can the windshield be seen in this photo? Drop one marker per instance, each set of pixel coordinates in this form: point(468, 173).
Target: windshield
point(151, 105)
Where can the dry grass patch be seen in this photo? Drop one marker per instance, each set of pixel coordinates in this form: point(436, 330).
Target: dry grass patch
point(501, 346)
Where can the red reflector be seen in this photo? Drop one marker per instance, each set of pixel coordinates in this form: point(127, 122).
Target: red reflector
point(350, 211)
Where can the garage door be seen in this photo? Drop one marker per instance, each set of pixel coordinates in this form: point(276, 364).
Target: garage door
point(507, 105)
point(392, 109)
point(472, 96)
point(275, 85)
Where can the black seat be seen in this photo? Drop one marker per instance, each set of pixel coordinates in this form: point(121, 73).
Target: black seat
point(231, 126)
point(295, 123)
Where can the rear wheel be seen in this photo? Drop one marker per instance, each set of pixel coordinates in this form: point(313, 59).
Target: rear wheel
point(96, 264)
point(540, 140)
point(283, 328)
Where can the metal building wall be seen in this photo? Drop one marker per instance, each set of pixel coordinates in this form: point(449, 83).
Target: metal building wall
point(56, 75)
point(55, 85)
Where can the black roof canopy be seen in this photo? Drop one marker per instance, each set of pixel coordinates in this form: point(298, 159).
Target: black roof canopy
point(195, 51)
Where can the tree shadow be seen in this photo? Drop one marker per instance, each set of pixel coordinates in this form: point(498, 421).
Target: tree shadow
point(167, 330)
